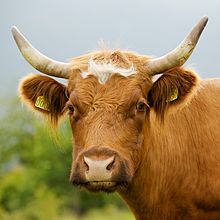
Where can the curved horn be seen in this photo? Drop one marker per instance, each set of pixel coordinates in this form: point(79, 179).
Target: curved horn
point(178, 56)
point(38, 60)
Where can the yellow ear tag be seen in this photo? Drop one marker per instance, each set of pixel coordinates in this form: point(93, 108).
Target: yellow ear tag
point(41, 103)
point(174, 95)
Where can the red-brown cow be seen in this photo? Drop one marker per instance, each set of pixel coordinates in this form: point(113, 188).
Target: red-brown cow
point(156, 143)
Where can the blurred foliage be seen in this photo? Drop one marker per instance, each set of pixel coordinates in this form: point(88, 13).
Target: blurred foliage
point(34, 172)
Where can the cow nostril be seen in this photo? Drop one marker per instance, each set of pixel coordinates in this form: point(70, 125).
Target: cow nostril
point(110, 166)
point(86, 165)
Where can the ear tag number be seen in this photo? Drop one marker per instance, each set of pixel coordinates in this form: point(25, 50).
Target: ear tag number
point(41, 103)
point(174, 95)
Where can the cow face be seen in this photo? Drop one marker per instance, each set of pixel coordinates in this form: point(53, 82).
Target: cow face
point(107, 123)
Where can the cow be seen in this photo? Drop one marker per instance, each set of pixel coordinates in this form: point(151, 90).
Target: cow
point(148, 128)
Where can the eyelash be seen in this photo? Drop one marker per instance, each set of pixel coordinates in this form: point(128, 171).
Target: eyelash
point(71, 109)
point(73, 112)
point(141, 106)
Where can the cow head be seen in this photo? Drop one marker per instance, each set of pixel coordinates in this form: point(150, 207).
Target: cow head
point(109, 98)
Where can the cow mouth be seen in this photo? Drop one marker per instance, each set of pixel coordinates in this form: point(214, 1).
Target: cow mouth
point(102, 184)
point(105, 186)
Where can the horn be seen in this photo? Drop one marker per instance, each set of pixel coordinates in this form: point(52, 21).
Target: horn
point(178, 56)
point(39, 61)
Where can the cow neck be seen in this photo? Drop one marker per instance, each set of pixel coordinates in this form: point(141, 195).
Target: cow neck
point(146, 194)
point(137, 195)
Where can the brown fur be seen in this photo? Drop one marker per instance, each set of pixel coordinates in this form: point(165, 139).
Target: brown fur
point(181, 166)
point(171, 170)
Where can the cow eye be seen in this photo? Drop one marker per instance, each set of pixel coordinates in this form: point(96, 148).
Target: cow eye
point(71, 109)
point(141, 106)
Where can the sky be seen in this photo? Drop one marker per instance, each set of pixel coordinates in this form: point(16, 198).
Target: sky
point(68, 28)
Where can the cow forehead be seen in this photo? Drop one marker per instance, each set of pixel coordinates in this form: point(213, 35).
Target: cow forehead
point(104, 64)
point(108, 77)
point(105, 69)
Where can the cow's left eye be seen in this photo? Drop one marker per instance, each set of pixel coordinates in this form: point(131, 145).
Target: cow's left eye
point(141, 106)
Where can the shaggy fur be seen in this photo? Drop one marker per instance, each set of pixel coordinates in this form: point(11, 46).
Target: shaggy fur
point(165, 171)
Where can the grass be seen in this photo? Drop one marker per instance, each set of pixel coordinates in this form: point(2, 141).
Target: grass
point(108, 213)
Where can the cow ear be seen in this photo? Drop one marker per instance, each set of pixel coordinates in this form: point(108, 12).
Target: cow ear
point(44, 95)
point(172, 88)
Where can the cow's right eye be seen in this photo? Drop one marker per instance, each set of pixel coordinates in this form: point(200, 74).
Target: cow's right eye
point(71, 109)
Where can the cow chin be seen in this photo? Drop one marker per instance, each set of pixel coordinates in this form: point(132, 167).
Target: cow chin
point(99, 186)
point(96, 186)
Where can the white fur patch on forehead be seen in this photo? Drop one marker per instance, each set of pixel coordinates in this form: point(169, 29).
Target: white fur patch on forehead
point(103, 71)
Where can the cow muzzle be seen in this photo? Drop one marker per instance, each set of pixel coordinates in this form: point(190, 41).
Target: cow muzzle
point(100, 169)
